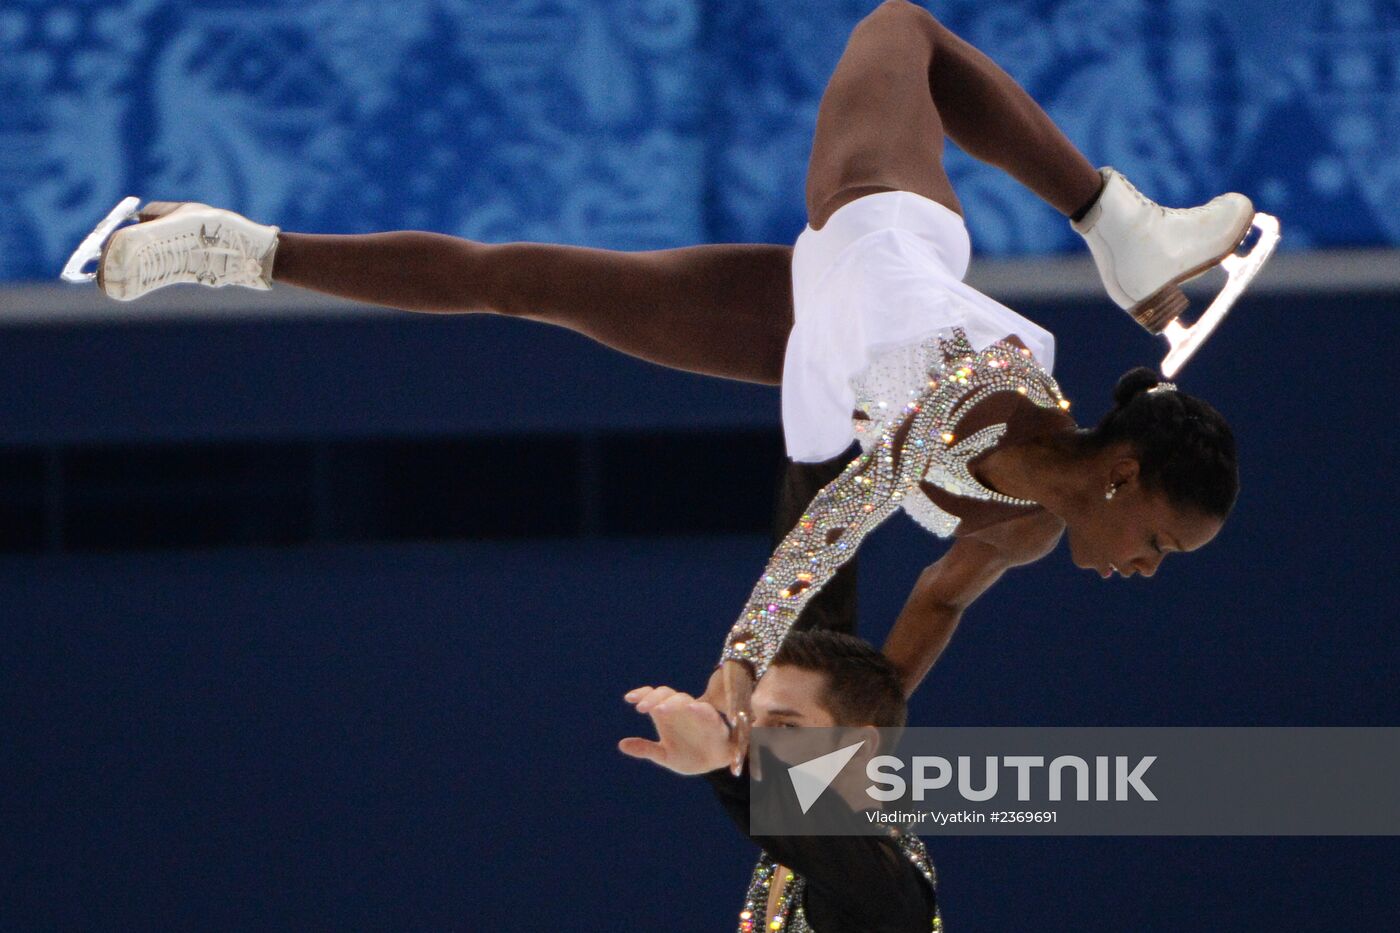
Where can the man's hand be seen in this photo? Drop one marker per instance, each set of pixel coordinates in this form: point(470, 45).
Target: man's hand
point(691, 735)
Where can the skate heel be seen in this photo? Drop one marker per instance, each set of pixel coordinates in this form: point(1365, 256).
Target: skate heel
point(158, 209)
point(1160, 308)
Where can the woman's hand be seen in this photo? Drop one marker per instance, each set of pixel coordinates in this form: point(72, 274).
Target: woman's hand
point(730, 691)
point(691, 737)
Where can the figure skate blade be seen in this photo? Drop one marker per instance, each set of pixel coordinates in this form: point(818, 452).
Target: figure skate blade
point(1240, 270)
point(91, 248)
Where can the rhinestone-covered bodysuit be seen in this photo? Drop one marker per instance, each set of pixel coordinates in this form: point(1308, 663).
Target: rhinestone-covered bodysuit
point(790, 915)
point(913, 401)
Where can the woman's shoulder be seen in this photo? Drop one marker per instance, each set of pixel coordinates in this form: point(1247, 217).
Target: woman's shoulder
point(1025, 538)
point(1024, 417)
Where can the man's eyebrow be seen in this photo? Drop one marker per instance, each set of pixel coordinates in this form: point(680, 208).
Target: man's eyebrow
point(784, 711)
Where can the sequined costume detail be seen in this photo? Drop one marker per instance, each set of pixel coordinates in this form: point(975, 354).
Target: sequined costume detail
point(790, 915)
point(910, 433)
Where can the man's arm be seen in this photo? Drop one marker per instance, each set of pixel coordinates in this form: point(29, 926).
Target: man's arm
point(863, 879)
point(854, 882)
point(949, 585)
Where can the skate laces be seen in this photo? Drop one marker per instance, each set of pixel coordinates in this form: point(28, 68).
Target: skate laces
point(221, 257)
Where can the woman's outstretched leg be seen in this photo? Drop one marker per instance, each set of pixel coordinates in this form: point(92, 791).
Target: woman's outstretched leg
point(904, 81)
point(722, 310)
point(717, 310)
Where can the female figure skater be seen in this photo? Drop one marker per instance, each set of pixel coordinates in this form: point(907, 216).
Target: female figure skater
point(959, 420)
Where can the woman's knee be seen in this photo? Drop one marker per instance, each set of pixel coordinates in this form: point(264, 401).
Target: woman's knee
point(896, 35)
point(908, 18)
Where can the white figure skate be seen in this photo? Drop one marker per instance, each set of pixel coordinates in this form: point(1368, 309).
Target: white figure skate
point(172, 242)
point(1145, 252)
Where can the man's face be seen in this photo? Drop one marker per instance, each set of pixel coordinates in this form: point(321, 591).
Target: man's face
point(790, 696)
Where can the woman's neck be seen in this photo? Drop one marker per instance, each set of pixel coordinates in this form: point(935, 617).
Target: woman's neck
point(1043, 470)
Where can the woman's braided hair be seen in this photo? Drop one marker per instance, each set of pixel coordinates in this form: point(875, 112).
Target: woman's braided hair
point(1184, 447)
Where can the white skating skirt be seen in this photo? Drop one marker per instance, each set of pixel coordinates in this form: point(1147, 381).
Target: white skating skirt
point(884, 274)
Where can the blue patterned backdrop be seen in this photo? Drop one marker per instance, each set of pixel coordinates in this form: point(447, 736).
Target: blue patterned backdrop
point(652, 123)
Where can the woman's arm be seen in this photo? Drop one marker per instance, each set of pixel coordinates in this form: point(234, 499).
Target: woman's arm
point(827, 535)
point(934, 608)
point(953, 582)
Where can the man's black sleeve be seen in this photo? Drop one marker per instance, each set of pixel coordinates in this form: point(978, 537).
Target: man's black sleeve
point(853, 882)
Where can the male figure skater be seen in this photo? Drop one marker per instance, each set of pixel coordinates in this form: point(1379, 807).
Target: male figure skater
point(828, 884)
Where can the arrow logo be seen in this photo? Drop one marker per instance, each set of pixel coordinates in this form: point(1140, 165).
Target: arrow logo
point(810, 778)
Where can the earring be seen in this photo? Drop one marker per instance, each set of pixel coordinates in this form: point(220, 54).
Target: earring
point(1108, 493)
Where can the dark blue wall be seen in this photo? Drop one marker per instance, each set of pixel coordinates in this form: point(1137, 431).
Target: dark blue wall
point(420, 735)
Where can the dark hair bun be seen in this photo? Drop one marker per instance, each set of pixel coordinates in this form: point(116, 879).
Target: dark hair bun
point(1134, 383)
point(1184, 448)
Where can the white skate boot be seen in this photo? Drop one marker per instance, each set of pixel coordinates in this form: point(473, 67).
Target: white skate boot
point(1145, 252)
point(172, 242)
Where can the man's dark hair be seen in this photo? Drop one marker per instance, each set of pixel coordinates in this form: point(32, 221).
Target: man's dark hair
point(1184, 447)
point(862, 687)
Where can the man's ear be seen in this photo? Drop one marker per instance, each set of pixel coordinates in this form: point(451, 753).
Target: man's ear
point(871, 736)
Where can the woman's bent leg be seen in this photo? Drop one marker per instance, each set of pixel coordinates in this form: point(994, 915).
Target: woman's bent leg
point(902, 82)
point(993, 119)
point(877, 126)
point(717, 310)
